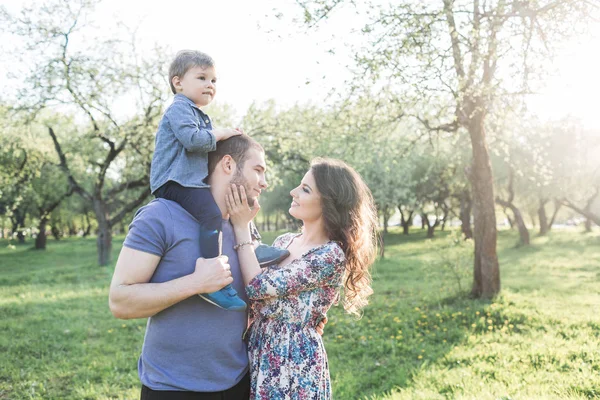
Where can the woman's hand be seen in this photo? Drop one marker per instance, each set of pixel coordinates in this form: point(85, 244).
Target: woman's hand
point(240, 213)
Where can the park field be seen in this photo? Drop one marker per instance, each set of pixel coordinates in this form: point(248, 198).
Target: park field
point(420, 338)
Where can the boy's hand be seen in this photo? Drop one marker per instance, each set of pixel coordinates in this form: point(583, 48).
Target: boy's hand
point(225, 133)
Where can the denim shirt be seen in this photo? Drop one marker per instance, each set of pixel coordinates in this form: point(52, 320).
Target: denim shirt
point(182, 143)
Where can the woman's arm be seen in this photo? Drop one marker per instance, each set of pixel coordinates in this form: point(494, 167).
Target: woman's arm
point(240, 215)
point(323, 268)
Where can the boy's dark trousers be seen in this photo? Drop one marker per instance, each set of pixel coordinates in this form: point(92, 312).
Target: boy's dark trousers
point(200, 203)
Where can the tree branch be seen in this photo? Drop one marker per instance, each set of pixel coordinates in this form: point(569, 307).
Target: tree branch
point(65, 168)
point(130, 207)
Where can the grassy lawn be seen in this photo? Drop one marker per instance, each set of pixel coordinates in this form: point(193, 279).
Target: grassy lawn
point(420, 338)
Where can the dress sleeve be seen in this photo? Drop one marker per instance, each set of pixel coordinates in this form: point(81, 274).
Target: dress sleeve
point(284, 240)
point(323, 267)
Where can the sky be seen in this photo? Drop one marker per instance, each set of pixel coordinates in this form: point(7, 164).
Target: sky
point(260, 57)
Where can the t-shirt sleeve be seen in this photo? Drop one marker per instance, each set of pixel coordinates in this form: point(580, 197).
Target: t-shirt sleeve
point(150, 229)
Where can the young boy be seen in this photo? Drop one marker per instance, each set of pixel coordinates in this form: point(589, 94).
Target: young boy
point(180, 163)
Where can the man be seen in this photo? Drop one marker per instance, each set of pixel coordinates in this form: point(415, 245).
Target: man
point(192, 350)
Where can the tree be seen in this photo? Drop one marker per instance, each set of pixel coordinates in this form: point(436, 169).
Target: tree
point(88, 81)
point(454, 56)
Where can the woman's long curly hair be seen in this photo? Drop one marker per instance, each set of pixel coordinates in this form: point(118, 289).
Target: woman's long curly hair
point(351, 220)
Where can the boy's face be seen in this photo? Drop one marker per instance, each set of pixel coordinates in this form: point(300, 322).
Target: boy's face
point(199, 84)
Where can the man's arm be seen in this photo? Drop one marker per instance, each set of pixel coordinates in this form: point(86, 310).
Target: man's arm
point(133, 296)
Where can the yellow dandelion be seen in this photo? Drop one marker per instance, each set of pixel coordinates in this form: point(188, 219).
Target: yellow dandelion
point(420, 356)
point(477, 313)
point(473, 325)
point(489, 321)
point(490, 327)
point(511, 326)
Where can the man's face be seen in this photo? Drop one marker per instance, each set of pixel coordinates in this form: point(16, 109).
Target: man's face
point(252, 175)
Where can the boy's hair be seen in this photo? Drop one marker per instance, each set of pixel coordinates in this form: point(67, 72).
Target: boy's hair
point(186, 59)
point(237, 147)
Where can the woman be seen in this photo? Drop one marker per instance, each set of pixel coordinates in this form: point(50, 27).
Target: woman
point(335, 249)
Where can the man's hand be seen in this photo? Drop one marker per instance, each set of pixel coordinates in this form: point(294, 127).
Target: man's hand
point(225, 133)
point(211, 274)
point(321, 326)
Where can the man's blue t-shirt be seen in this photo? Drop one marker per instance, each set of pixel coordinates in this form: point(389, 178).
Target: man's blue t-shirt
point(192, 345)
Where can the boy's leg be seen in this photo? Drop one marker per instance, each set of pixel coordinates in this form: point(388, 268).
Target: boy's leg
point(266, 255)
point(200, 203)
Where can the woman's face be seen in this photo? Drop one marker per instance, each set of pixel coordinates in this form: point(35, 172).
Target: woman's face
point(306, 200)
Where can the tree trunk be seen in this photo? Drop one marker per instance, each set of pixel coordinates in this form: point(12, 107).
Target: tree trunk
point(423, 224)
point(532, 214)
point(465, 215)
point(557, 206)
point(55, 232)
point(520, 222)
point(543, 218)
point(511, 224)
point(40, 240)
point(88, 224)
point(72, 228)
point(386, 218)
point(18, 224)
point(586, 211)
point(431, 227)
point(104, 238)
point(405, 222)
point(486, 270)
point(588, 225)
point(445, 219)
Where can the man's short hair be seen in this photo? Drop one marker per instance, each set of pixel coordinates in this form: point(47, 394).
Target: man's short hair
point(237, 147)
point(186, 59)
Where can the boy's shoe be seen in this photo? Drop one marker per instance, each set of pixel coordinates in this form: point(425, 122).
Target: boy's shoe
point(269, 255)
point(226, 298)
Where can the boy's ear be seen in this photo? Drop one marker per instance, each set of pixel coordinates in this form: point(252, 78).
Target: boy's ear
point(228, 164)
point(176, 82)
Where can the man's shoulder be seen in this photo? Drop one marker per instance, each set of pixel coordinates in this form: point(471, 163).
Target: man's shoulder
point(162, 209)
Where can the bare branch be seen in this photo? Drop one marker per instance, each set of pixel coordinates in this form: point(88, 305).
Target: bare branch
point(130, 207)
point(127, 185)
point(64, 166)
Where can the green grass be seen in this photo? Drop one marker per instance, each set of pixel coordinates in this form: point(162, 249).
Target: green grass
point(420, 338)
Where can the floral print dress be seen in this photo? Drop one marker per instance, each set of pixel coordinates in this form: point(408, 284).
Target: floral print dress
point(287, 356)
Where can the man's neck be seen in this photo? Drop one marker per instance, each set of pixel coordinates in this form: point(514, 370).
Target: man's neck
point(218, 193)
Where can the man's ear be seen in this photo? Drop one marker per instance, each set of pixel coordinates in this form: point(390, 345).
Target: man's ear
point(228, 164)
